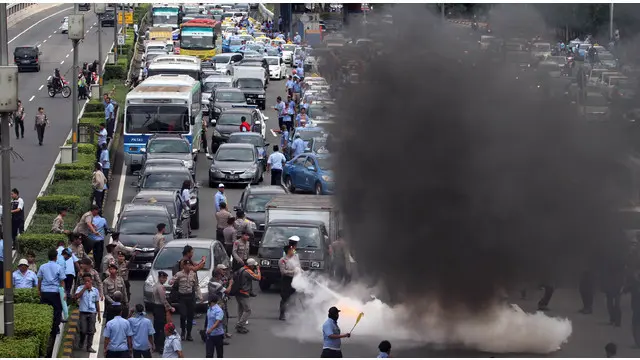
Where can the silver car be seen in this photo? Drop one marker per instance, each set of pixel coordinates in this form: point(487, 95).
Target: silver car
point(168, 257)
point(210, 83)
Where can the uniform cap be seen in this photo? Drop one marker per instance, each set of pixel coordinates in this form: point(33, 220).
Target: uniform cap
point(252, 262)
point(294, 238)
point(221, 186)
point(23, 262)
point(221, 267)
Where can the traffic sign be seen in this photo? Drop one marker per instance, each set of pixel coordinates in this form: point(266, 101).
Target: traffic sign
point(120, 39)
point(128, 18)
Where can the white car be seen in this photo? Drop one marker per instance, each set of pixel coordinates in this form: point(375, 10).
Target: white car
point(277, 68)
point(287, 53)
point(64, 28)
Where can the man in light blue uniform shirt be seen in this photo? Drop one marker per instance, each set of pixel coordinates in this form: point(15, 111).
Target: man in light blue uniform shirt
point(88, 298)
point(51, 278)
point(102, 138)
point(117, 338)
point(105, 162)
point(385, 349)
point(97, 240)
point(297, 39)
point(143, 332)
point(23, 278)
point(215, 332)
point(220, 197)
point(332, 339)
point(274, 164)
point(297, 147)
point(300, 69)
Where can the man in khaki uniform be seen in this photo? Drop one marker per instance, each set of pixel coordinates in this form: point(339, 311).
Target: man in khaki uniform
point(188, 289)
point(221, 217)
point(111, 285)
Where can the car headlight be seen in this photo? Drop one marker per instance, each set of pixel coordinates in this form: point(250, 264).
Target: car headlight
point(252, 169)
point(215, 170)
point(150, 281)
point(326, 178)
point(265, 262)
point(261, 96)
point(188, 163)
point(315, 264)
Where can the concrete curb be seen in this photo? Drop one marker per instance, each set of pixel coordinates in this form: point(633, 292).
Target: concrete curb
point(70, 337)
point(15, 18)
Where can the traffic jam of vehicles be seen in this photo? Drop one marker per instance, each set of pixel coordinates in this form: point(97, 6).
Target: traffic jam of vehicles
point(199, 105)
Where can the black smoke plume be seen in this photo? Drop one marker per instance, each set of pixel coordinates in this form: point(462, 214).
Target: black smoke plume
point(457, 179)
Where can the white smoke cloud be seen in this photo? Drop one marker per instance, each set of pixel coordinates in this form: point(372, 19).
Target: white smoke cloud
point(502, 329)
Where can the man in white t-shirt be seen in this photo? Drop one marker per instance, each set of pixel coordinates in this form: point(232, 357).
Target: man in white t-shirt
point(274, 164)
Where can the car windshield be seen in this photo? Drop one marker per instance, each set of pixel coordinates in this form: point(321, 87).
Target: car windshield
point(325, 164)
point(627, 84)
point(151, 56)
point(138, 224)
point(169, 257)
point(606, 57)
point(168, 147)
point(257, 203)
point(235, 42)
point(143, 119)
point(288, 47)
point(273, 61)
point(209, 86)
point(273, 52)
point(230, 97)
point(170, 205)
point(278, 236)
point(231, 119)
point(22, 52)
point(173, 180)
point(221, 59)
point(250, 83)
point(238, 155)
point(246, 139)
point(246, 37)
point(164, 19)
point(595, 100)
point(319, 145)
point(254, 47)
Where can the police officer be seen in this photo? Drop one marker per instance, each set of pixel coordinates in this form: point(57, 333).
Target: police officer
point(17, 215)
point(112, 285)
point(162, 310)
point(289, 267)
point(188, 290)
point(240, 250)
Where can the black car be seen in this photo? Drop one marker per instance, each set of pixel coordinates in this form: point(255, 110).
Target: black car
point(27, 57)
point(254, 139)
point(235, 164)
point(229, 122)
point(137, 225)
point(254, 91)
point(171, 178)
point(253, 201)
point(84, 7)
point(167, 198)
point(224, 98)
point(313, 247)
point(108, 19)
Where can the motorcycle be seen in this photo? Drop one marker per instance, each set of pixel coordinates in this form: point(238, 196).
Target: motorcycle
point(474, 26)
point(52, 90)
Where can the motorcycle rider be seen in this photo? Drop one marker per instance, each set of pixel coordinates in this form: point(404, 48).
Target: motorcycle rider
point(57, 80)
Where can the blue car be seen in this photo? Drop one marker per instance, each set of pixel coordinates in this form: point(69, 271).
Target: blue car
point(309, 172)
point(231, 45)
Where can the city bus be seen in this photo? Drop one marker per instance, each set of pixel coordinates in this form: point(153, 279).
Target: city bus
point(198, 38)
point(176, 65)
point(161, 104)
point(165, 15)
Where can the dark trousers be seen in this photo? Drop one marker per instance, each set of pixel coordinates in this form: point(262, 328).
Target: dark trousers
point(187, 312)
point(17, 227)
point(159, 321)
point(613, 307)
point(289, 125)
point(286, 290)
point(586, 286)
point(342, 274)
point(280, 122)
point(19, 124)
point(219, 235)
point(215, 344)
point(117, 354)
point(276, 177)
point(98, 196)
point(68, 286)
point(53, 299)
point(138, 354)
point(328, 353)
point(127, 286)
point(546, 297)
point(110, 128)
point(106, 175)
point(40, 131)
point(98, 251)
point(205, 145)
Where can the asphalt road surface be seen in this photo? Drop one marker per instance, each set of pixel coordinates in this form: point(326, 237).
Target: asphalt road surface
point(43, 29)
point(590, 332)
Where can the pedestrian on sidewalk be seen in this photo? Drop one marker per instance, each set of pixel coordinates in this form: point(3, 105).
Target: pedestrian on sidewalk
point(105, 163)
point(102, 139)
point(18, 120)
point(88, 298)
point(99, 184)
point(51, 277)
point(109, 116)
point(41, 122)
point(17, 216)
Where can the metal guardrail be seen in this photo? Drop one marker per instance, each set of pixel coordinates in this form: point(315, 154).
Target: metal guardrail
point(265, 12)
point(15, 7)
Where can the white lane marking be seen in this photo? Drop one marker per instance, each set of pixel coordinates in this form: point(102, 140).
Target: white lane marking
point(71, 49)
point(94, 24)
point(50, 36)
point(55, 31)
point(45, 40)
point(32, 97)
point(40, 88)
point(66, 56)
point(273, 133)
point(38, 22)
point(49, 78)
point(116, 209)
point(61, 62)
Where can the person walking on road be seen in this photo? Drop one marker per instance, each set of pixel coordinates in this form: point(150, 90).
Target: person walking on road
point(114, 285)
point(105, 163)
point(88, 299)
point(240, 250)
point(230, 234)
point(50, 279)
point(222, 217)
point(162, 310)
point(248, 274)
point(275, 164)
point(172, 344)
point(143, 331)
point(118, 337)
point(41, 122)
point(220, 197)
point(186, 281)
point(289, 267)
point(18, 120)
point(123, 271)
point(280, 109)
point(215, 331)
point(109, 116)
point(332, 338)
point(95, 242)
point(17, 216)
point(185, 214)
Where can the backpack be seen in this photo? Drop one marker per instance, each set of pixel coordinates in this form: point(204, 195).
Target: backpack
point(237, 282)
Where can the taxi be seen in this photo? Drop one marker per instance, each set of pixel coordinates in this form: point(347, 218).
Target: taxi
point(278, 42)
point(263, 39)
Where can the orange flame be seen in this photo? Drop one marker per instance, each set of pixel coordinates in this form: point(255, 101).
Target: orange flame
point(347, 311)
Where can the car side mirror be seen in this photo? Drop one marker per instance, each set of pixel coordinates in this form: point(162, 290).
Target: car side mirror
point(144, 151)
point(311, 168)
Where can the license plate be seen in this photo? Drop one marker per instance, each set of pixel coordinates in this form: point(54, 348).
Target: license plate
point(26, 61)
point(233, 177)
